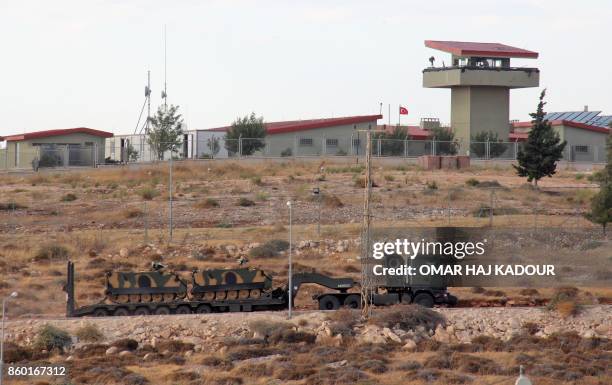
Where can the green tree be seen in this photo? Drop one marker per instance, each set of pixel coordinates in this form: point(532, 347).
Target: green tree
point(496, 145)
point(392, 143)
point(213, 145)
point(543, 148)
point(445, 141)
point(601, 204)
point(166, 131)
point(252, 131)
point(132, 153)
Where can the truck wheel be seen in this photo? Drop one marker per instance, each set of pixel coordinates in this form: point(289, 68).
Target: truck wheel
point(203, 309)
point(452, 300)
point(353, 301)
point(121, 312)
point(100, 312)
point(142, 311)
point(162, 310)
point(183, 309)
point(424, 299)
point(329, 302)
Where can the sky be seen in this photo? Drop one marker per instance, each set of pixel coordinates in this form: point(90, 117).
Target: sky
point(84, 63)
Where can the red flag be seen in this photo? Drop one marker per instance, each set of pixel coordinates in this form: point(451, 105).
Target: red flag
point(403, 111)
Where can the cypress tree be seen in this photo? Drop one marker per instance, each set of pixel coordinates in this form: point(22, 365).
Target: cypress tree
point(542, 150)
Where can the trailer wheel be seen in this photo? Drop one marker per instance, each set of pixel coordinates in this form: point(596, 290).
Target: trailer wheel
point(203, 309)
point(121, 312)
point(100, 312)
point(329, 302)
point(162, 310)
point(353, 301)
point(183, 309)
point(142, 311)
point(424, 299)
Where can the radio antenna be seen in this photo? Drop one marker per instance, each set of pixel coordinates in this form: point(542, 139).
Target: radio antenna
point(165, 91)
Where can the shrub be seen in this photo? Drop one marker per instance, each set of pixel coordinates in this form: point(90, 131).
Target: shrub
point(51, 252)
point(269, 249)
point(257, 181)
point(174, 346)
point(50, 337)
point(133, 213)
point(291, 336)
point(331, 200)
point(245, 202)
point(148, 193)
point(408, 317)
point(11, 206)
point(267, 328)
point(529, 292)
point(409, 365)
point(478, 290)
point(208, 203)
point(531, 328)
point(361, 182)
point(125, 344)
point(287, 152)
point(431, 185)
point(343, 321)
point(261, 196)
point(15, 353)
point(565, 301)
point(68, 197)
point(473, 182)
point(89, 333)
point(389, 178)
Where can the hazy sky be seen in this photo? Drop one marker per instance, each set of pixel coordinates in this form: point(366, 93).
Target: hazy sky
point(84, 63)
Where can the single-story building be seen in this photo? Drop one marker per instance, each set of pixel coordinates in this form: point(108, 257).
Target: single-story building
point(136, 148)
point(330, 136)
point(79, 146)
point(585, 142)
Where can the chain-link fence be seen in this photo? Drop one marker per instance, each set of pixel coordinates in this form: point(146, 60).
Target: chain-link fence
point(49, 156)
point(137, 149)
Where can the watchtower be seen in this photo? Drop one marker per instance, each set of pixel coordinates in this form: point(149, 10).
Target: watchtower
point(480, 78)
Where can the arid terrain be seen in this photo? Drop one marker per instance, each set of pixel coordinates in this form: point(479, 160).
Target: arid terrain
point(119, 218)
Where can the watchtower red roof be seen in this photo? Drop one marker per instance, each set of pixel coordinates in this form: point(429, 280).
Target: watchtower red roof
point(49, 133)
point(466, 48)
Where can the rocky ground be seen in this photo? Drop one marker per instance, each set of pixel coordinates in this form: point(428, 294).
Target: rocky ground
point(462, 325)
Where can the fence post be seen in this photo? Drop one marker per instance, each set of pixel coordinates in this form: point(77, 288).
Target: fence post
point(487, 149)
point(240, 146)
point(491, 208)
point(146, 224)
point(405, 148)
point(515, 150)
point(379, 147)
point(433, 147)
point(449, 206)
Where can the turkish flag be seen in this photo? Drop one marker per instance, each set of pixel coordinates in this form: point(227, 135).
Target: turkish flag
point(403, 111)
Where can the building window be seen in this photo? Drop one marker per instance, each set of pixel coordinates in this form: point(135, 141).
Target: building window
point(356, 142)
point(584, 149)
point(331, 142)
point(306, 142)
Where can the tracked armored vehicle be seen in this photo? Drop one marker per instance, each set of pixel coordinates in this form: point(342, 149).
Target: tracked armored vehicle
point(152, 286)
point(222, 284)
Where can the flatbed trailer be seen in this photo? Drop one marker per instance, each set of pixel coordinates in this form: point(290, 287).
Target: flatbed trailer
point(276, 299)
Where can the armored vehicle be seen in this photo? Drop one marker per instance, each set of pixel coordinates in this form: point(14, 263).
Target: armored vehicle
point(222, 284)
point(156, 285)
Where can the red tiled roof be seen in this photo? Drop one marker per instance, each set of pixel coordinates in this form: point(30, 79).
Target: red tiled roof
point(49, 133)
point(310, 124)
point(465, 48)
point(414, 132)
point(567, 123)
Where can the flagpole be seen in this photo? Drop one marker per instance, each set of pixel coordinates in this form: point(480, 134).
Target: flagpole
point(399, 114)
point(389, 118)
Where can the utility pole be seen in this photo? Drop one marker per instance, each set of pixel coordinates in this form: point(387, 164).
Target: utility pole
point(170, 195)
point(366, 282)
point(290, 283)
point(4, 300)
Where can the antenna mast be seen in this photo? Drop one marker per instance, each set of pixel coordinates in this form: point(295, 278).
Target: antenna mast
point(165, 91)
point(148, 96)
